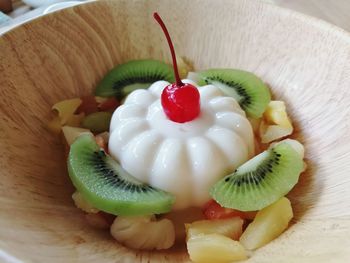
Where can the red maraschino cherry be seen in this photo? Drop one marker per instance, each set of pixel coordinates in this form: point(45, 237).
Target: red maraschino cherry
point(180, 101)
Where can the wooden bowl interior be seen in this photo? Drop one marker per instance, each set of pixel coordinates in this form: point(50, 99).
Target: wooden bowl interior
point(63, 55)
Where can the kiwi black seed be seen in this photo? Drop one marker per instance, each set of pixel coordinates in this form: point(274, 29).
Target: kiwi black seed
point(261, 181)
point(250, 91)
point(108, 187)
point(135, 74)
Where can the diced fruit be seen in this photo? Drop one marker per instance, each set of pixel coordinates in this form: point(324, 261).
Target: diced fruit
point(276, 114)
point(268, 224)
point(215, 248)
point(102, 140)
point(66, 108)
point(260, 181)
point(109, 105)
point(100, 100)
point(88, 105)
point(230, 227)
point(100, 220)
point(97, 122)
point(83, 204)
point(107, 186)
point(269, 133)
point(75, 120)
point(71, 133)
point(143, 232)
point(183, 66)
point(213, 210)
point(275, 123)
point(104, 136)
point(182, 217)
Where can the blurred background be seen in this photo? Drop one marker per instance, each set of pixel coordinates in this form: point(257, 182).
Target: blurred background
point(14, 12)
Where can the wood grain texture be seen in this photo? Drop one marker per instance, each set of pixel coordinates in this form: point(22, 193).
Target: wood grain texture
point(305, 62)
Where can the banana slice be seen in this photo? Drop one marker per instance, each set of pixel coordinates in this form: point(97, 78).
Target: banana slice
point(143, 232)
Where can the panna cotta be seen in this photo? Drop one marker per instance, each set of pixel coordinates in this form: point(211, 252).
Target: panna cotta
point(185, 159)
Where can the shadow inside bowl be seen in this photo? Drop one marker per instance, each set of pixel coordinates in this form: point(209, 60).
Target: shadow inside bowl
point(303, 196)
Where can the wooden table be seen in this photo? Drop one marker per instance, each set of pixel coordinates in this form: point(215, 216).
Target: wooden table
point(336, 12)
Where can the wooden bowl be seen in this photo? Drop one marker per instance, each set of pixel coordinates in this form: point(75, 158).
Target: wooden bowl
point(306, 62)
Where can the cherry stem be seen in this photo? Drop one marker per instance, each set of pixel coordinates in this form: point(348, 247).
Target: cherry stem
point(172, 50)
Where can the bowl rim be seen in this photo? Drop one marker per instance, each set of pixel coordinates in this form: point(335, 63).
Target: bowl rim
point(314, 21)
point(315, 24)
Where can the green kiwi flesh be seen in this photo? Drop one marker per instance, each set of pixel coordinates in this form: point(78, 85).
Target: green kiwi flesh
point(250, 91)
point(108, 187)
point(135, 74)
point(260, 181)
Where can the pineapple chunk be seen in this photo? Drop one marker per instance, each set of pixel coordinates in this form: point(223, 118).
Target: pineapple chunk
point(71, 133)
point(182, 217)
point(269, 133)
point(183, 66)
point(75, 120)
point(143, 232)
point(81, 203)
point(66, 109)
point(230, 227)
point(275, 123)
point(268, 224)
point(276, 114)
point(214, 248)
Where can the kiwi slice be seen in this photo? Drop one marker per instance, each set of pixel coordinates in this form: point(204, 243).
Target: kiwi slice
point(108, 187)
point(261, 181)
point(135, 74)
point(250, 92)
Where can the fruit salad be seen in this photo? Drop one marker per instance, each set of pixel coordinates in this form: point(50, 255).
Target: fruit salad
point(163, 155)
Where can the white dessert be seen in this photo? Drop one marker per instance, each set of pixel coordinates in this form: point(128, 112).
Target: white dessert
point(185, 159)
